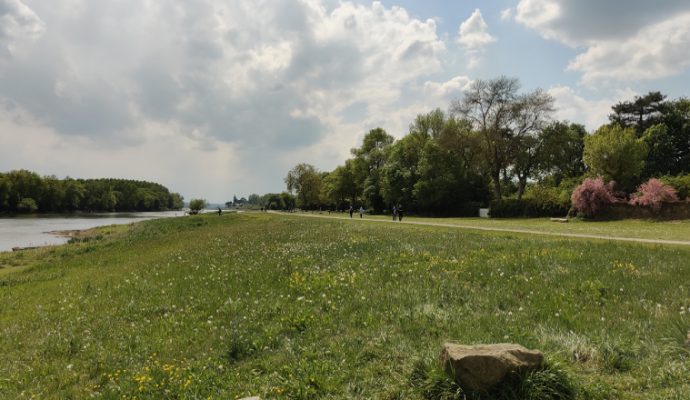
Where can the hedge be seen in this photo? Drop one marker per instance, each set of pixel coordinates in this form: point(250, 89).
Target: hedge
point(531, 208)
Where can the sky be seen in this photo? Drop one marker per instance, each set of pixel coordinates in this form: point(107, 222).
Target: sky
point(216, 98)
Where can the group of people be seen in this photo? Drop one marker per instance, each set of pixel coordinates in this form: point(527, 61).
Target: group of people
point(397, 212)
point(361, 211)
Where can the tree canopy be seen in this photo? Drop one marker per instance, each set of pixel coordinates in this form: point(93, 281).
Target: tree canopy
point(26, 191)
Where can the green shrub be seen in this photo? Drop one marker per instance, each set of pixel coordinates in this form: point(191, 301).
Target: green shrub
point(27, 205)
point(196, 205)
point(679, 182)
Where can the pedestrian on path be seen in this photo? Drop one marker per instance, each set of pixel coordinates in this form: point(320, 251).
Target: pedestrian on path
point(395, 213)
point(352, 210)
point(361, 212)
point(400, 213)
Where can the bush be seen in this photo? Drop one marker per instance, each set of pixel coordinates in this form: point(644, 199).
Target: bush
point(196, 205)
point(532, 208)
point(680, 183)
point(28, 205)
point(593, 196)
point(652, 194)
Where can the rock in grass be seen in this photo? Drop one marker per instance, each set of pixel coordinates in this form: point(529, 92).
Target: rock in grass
point(482, 366)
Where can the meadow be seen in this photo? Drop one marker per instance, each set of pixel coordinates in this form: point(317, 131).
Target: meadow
point(305, 308)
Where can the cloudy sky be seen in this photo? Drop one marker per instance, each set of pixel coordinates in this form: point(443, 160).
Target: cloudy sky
point(219, 98)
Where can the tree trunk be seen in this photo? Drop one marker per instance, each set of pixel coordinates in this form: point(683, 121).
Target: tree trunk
point(522, 183)
point(496, 177)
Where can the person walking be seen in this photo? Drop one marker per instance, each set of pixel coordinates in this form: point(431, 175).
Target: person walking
point(361, 212)
point(400, 213)
point(352, 210)
point(395, 213)
point(220, 212)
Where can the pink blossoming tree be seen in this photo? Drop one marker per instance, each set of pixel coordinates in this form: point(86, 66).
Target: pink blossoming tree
point(653, 194)
point(592, 196)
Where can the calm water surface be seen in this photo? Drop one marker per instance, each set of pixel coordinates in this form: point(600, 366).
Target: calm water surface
point(32, 230)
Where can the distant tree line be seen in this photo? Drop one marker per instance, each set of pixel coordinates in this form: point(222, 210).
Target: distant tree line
point(26, 191)
point(497, 143)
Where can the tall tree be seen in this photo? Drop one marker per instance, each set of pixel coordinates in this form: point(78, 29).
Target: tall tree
point(502, 117)
point(305, 180)
point(401, 172)
point(340, 185)
point(615, 153)
point(562, 149)
point(640, 113)
point(368, 162)
point(661, 157)
point(677, 119)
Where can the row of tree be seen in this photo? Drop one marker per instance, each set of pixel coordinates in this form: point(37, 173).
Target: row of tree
point(496, 142)
point(26, 191)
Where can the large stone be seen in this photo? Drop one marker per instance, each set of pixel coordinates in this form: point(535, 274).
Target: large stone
point(482, 366)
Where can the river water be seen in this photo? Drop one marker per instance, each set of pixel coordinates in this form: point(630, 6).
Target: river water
point(33, 230)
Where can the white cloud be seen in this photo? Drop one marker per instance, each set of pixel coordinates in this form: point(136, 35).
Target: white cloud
point(17, 23)
point(449, 90)
point(266, 85)
point(540, 15)
point(657, 51)
point(572, 106)
point(506, 14)
point(474, 36)
point(625, 41)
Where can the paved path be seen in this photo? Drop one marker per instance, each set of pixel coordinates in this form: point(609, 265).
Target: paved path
point(508, 230)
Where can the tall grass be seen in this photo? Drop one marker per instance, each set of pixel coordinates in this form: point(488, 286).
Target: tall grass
point(239, 305)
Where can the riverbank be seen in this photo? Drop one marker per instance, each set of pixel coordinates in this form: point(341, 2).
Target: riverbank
point(259, 304)
point(38, 230)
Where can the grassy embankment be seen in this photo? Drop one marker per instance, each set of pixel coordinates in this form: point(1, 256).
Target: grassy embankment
point(281, 307)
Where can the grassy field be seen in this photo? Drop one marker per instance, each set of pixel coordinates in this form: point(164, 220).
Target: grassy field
point(632, 228)
point(302, 308)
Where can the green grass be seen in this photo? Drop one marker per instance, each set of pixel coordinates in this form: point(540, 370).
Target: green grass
point(632, 228)
point(261, 304)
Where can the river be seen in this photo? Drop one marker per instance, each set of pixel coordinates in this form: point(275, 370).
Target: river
point(33, 230)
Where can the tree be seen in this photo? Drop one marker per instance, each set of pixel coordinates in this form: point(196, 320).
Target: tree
point(196, 205)
point(23, 184)
point(527, 151)
point(677, 119)
point(176, 201)
point(616, 153)
point(74, 194)
point(254, 199)
point(562, 149)
point(502, 117)
point(653, 194)
point(306, 181)
point(27, 205)
point(401, 173)
point(660, 157)
point(593, 196)
point(5, 188)
point(368, 162)
point(641, 113)
point(445, 182)
point(288, 200)
point(340, 185)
